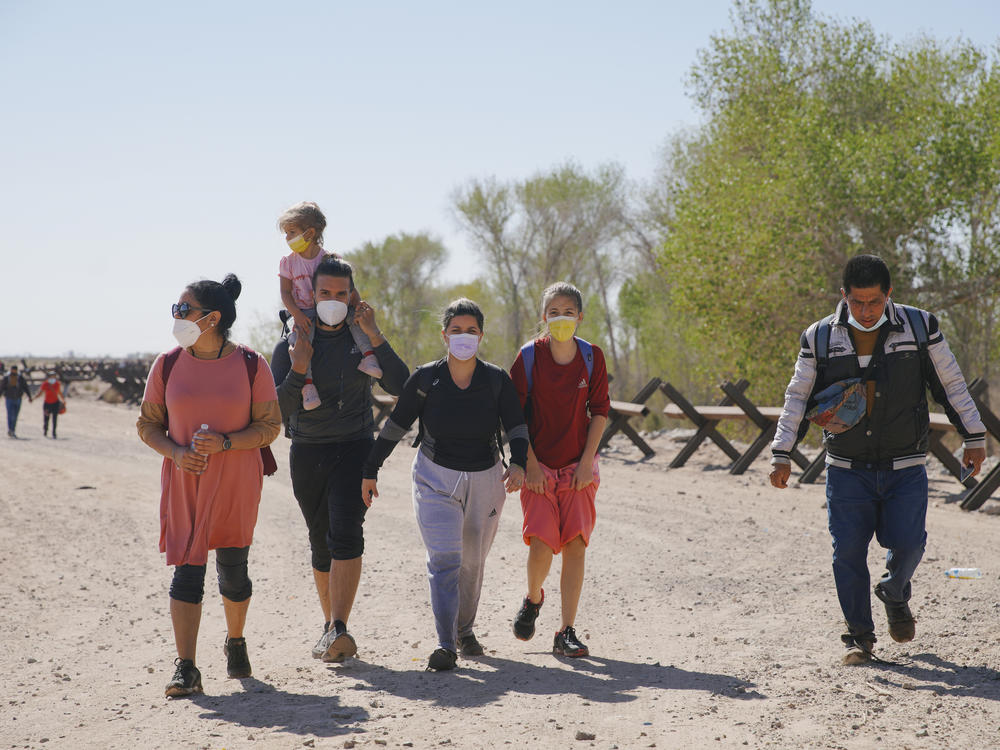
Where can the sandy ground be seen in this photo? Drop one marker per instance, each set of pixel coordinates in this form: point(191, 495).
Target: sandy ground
point(708, 606)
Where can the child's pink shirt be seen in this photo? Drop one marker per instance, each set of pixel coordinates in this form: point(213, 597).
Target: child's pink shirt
point(300, 271)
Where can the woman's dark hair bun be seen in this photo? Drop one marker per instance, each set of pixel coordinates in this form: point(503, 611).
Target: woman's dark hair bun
point(232, 285)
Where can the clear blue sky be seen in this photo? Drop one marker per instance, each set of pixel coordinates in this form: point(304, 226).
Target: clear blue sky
point(146, 145)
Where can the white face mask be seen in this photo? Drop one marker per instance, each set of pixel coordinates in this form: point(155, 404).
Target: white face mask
point(331, 311)
point(187, 332)
point(52, 381)
point(854, 322)
point(463, 346)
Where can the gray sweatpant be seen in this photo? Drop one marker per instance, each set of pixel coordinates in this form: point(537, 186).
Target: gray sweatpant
point(458, 513)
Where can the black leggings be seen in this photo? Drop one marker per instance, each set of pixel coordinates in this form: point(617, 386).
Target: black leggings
point(53, 411)
point(234, 583)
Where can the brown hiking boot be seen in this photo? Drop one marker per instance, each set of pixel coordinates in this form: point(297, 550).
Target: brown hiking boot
point(859, 648)
point(902, 623)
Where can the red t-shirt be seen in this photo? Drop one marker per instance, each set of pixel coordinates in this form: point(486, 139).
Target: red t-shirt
point(559, 417)
point(51, 391)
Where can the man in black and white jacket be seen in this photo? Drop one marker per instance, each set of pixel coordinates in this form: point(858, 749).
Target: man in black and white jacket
point(876, 478)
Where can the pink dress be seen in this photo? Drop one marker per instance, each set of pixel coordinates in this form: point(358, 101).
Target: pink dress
point(219, 507)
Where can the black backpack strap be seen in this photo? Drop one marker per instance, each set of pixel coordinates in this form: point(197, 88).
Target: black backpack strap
point(918, 326)
point(822, 348)
point(496, 387)
point(426, 378)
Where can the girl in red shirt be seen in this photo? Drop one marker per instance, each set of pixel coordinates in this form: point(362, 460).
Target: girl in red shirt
point(54, 400)
point(566, 408)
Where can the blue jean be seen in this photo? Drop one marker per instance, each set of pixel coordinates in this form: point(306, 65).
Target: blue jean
point(892, 505)
point(13, 407)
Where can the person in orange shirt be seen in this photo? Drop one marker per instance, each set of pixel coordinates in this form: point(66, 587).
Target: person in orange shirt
point(54, 402)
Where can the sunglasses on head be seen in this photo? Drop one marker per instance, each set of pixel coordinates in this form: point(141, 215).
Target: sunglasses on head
point(182, 310)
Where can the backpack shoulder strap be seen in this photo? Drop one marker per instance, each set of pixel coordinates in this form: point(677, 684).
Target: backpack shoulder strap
point(528, 360)
point(251, 362)
point(822, 345)
point(587, 350)
point(426, 378)
point(168, 364)
point(918, 325)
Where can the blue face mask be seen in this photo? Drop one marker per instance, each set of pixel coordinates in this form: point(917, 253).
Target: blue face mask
point(854, 322)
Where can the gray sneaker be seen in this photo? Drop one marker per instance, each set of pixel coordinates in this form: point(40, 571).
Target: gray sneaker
point(335, 647)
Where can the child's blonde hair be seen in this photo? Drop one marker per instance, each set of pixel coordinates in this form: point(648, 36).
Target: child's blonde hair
point(304, 215)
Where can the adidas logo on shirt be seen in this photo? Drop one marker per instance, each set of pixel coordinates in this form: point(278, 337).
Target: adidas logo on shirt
point(492, 513)
point(583, 383)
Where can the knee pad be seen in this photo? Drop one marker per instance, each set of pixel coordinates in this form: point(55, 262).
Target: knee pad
point(234, 582)
point(188, 584)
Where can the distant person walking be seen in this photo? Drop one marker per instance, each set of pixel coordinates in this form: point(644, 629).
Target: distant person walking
point(14, 388)
point(330, 442)
point(54, 402)
point(212, 476)
point(876, 439)
point(458, 478)
point(562, 382)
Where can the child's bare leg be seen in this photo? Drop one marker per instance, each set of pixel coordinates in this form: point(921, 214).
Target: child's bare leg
point(539, 563)
point(571, 580)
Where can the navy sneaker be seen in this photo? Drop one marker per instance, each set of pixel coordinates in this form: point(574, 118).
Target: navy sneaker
point(524, 623)
point(567, 644)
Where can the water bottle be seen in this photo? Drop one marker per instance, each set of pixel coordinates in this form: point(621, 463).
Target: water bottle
point(966, 573)
point(204, 428)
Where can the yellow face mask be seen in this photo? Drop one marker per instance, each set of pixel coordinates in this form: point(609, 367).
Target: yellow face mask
point(563, 327)
point(298, 244)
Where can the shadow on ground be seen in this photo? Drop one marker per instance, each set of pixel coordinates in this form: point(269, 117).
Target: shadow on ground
point(262, 706)
point(594, 679)
point(931, 673)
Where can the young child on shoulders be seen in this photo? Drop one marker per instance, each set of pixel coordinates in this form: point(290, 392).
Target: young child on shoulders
point(562, 382)
point(303, 225)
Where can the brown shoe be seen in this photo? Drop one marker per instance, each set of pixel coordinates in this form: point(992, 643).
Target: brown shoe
point(902, 623)
point(859, 648)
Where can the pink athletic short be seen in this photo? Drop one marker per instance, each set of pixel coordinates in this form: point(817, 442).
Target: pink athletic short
point(562, 513)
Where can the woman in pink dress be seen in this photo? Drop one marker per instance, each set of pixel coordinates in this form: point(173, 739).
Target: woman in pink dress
point(208, 409)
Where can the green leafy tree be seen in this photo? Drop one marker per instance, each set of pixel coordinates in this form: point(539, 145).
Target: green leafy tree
point(563, 224)
point(821, 140)
point(400, 277)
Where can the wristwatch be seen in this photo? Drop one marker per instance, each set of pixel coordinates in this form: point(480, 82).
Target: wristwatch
point(226, 442)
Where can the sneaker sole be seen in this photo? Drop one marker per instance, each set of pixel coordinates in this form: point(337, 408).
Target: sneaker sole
point(572, 654)
point(521, 636)
point(904, 637)
point(855, 658)
point(239, 674)
point(342, 647)
point(180, 692)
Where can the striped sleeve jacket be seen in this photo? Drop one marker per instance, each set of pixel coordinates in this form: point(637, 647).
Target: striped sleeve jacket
point(895, 434)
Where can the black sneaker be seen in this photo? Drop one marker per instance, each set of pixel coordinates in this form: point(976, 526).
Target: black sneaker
point(902, 624)
point(524, 623)
point(442, 660)
point(567, 644)
point(187, 679)
point(237, 661)
point(469, 645)
point(860, 647)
